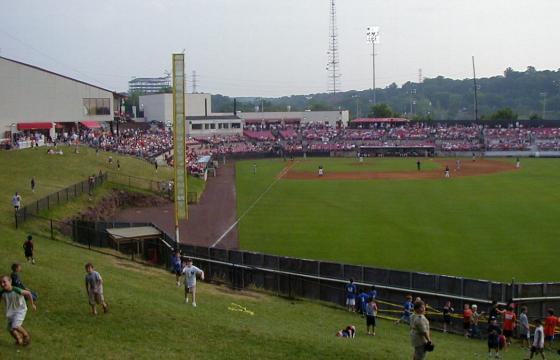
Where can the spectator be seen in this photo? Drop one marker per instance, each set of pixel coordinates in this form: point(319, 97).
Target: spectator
point(33, 184)
point(524, 330)
point(177, 267)
point(550, 323)
point(190, 271)
point(16, 309)
point(538, 341)
point(509, 324)
point(350, 290)
point(467, 315)
point(420, 332)
point(371, 314)
point(16, 281)
point(16, 201)
point(348, 332)
point(494, 333)
point(447, 311)
point(362, 302)
point(475, 330)
point(407, 310)
point(372, 292)
point(94, 288)
point(28, 249)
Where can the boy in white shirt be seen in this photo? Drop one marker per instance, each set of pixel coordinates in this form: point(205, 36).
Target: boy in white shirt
point(190, 271)
point(538, 342)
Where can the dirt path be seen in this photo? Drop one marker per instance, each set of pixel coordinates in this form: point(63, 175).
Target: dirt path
point(208, 219)
point(468, 168)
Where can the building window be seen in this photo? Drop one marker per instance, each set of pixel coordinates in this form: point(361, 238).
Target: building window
point(197, 126)
point(93, 106)
point(206, 126)
point(236, 125)
point(220, 125)
point(212, 126)
point(226, 126)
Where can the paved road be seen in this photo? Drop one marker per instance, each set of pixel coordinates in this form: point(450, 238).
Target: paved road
point(208, 219)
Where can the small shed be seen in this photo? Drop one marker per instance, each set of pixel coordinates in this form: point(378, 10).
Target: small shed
point(133, 238)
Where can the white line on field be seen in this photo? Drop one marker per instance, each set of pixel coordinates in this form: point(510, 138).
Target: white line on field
point(280, 176)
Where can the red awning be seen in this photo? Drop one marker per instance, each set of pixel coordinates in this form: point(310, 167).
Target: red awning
point(378, 120)
point(35, 126)
point(91, 124)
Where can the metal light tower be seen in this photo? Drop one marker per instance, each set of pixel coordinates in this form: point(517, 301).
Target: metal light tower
point(372, 36)
point(333, 62)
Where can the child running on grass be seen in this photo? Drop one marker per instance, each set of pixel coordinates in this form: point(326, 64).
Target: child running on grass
point(407, 311)
point(190, 271)
point(16, 309)
point(94, 288)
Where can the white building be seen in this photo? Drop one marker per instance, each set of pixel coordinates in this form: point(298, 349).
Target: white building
point(159, 107)
point(214, 125)
point(149, 85)
point(32, 98)
point(296, 117)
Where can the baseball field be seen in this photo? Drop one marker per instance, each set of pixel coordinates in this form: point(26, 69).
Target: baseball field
point(489, 220)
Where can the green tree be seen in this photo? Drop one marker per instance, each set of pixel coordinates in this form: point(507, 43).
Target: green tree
point(535, 116)
point(504, 114)
point(381, 111)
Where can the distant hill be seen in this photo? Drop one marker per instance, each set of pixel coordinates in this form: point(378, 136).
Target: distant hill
point(435, 98)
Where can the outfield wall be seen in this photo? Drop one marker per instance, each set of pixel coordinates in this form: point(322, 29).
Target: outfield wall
point(324, 280)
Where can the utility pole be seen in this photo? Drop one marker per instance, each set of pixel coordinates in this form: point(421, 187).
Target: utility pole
point(475, 92)
point(194, 81)
point(372, 36)
point(333, 61)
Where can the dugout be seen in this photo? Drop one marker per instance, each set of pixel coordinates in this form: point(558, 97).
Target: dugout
point(140, 241)
point(424, 150)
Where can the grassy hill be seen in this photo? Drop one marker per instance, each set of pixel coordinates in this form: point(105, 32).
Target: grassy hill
point(147, 317)
point(494, 226)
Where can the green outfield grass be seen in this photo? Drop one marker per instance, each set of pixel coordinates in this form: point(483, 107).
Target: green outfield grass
point(495, 226)
point(147, 317)
point(369, 164)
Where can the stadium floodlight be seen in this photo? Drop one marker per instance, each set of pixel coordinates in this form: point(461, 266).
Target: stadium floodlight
point(372, 36)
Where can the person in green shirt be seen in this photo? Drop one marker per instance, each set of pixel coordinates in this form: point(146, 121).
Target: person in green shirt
point(16, 309)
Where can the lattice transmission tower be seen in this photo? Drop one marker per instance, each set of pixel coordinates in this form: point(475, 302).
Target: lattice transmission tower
point(333, 65)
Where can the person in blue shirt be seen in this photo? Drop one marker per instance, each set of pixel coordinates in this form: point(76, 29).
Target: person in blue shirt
point(177, 264)
point(407, 311)
point(373, 292)
point(351, 290)
point(362, 302)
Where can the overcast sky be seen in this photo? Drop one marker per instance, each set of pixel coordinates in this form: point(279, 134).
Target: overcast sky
point(278, 47)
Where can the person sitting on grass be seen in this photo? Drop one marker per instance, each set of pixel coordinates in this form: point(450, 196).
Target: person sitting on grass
point(16, 281)
point(94, 288)
point(348, 332)
point(16, 309)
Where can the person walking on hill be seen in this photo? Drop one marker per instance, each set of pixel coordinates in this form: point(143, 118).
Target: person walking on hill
point(177, 267)
point(418, 165)
point(190, 271)
point(16, 309)
point(28, 249)
point(33, 184)
point(94, 289)
point(420, 338)
point(16, 201)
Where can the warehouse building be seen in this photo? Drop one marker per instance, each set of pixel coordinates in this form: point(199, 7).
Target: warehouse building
point(33, 99)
